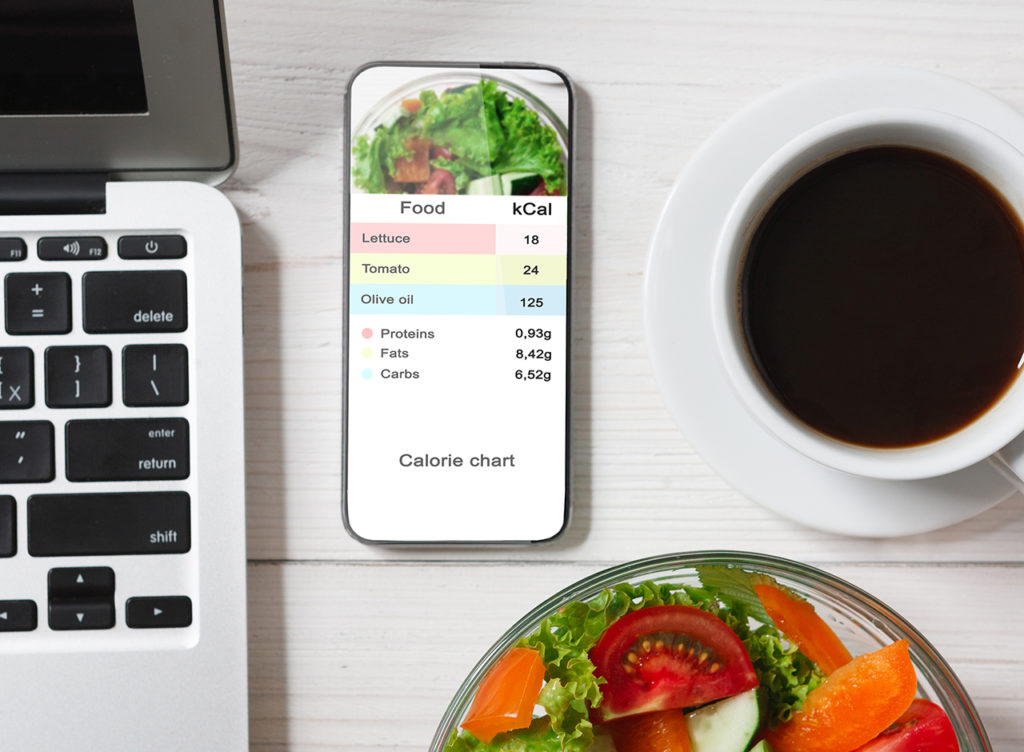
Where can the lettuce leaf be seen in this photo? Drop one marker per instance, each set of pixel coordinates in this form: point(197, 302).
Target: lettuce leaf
point(373, 159)
point(458, 120)
point(736, 586)
point(531, 146)
point(786, 674)
point(538, 738)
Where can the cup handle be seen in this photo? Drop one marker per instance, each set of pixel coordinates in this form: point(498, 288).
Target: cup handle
point(1010, 462)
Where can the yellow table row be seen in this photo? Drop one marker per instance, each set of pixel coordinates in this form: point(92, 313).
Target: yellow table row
point(456, 269)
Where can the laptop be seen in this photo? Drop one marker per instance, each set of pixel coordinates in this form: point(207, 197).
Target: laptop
point(122, 529)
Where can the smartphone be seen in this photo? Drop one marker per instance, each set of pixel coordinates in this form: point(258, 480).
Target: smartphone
point(456, 333)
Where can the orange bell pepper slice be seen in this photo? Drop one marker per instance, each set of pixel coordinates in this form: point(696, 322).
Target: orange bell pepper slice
point(800, 623)
point(853, 705)
point(506, 696)
point(660, 731)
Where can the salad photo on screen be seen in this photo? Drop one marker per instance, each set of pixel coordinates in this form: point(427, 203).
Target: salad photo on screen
point(476, 138)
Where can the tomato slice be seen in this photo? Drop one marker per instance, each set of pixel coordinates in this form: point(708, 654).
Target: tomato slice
point(661, 731)
point(439, 182)
point(925, 727)
point(800, 623)
point(668, 657)
point(506, 696)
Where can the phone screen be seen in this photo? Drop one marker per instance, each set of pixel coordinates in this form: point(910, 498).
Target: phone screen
point(457, 311)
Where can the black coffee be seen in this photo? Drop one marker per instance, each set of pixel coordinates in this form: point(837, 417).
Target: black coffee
point(882, 297)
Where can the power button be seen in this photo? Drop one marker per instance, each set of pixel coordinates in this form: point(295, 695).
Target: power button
point(151, 247)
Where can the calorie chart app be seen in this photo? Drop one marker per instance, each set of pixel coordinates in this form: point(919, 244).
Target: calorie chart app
point(457, 304)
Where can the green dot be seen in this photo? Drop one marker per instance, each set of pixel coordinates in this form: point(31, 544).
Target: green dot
point(367, 352)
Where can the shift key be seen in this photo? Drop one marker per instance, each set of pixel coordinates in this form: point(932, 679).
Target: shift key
point(148, 301)
point(127, 449)
point(109, 524)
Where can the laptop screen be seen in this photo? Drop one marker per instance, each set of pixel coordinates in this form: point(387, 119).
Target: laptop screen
point(132, 89)
point(65, 57)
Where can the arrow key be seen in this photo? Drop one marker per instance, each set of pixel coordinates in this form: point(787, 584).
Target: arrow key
point(66, 583)
point(157, 612)
point(82, 613)
point(17, 616)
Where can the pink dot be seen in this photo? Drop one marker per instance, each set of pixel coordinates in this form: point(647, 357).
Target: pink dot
point(367, 333)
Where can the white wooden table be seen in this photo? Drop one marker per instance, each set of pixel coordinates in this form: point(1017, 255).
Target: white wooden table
point(357, 648)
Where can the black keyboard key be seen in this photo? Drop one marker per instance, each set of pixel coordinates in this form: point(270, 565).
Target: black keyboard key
point(82, 614)
point(78, 376)
point(151, 247)
point(127, 449)
point(26, 451)
point(18, 616)
point(8, 527)
point(38, 303)
point(72, 249)
point(165, 611)
point(80, 582)
point(16, 378)
point(81, 597)
point(155, 375)
point(134, 301)
point(12, 249)
point(109, 524)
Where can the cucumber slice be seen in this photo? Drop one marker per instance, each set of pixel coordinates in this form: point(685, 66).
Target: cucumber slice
point(489, 185)
point(519, 183)
point(761, 746)
point(725, 726)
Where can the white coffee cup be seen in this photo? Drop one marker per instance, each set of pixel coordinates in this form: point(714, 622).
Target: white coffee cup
point(1000, 163)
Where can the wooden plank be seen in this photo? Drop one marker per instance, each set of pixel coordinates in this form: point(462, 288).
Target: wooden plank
point(366, 657)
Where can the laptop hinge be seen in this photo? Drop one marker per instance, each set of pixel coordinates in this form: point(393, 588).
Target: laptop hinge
point(53, 193)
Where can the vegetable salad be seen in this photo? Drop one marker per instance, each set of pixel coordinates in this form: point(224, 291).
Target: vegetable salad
point(738, 664)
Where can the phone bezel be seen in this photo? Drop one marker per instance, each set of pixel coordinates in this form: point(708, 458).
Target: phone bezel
point(347, 147)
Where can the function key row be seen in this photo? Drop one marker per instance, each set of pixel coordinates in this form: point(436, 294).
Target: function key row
point(91, 248)
point(96, 450)
point(113, 302)
point(80, 376)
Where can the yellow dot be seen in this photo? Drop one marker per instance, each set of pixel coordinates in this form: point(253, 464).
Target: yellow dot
point(367, 352)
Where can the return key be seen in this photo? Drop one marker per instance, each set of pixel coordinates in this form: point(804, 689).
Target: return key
point(139, 449)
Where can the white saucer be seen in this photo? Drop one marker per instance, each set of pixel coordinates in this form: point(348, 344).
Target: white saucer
point(677, 314)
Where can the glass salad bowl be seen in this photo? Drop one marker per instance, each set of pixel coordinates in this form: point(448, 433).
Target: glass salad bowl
point(863, 623)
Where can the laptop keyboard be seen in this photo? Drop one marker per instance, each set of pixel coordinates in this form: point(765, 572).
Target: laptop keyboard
point(97, 360)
